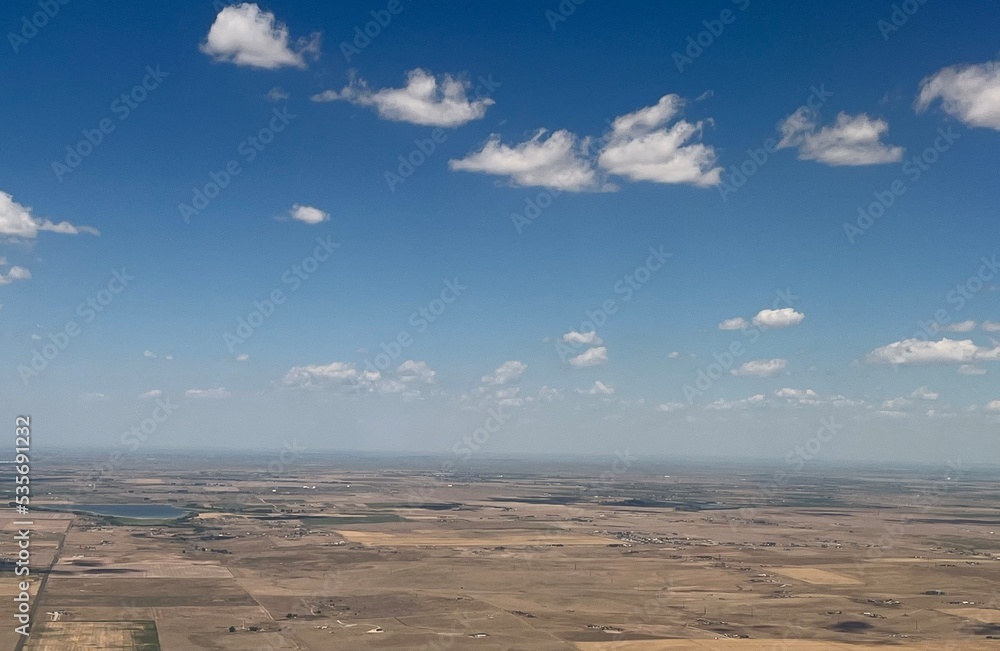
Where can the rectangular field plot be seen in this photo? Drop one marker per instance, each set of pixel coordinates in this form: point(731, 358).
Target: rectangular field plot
point(472, 538)
point(816, 576)
point(87, 636)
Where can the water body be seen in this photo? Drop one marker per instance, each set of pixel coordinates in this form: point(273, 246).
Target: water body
point(140, 511)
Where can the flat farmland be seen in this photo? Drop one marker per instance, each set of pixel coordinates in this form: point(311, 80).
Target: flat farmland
point(335, 556)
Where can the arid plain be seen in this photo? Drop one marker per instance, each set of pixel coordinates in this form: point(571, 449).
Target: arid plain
point(358, 553)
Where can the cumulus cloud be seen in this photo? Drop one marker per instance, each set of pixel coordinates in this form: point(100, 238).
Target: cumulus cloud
point(674, 354)
point(991, 326)
point(342, 374)
point(971, 370)
point(598, 389)
point(923, 393)
point(761, 368)
point(308, 214)
point(277, 94)
point(970, 93)
point(17, 220)
point(946, 351)
point(850, 140)
point(242, 357)
point(416, 371)
point(152, 393)
point(216, 393)
point(148, 353)
point(13, 274)
point(558, 161)
point(721, 403)
point(895, 404)
point(993, 405)
point(642, 147)
point(591, 357)
point(783, 318)
point(509, 371)
point(246, 36)
point(424, 100)
point(582, 338)
point(736, 323)
point(669, 406)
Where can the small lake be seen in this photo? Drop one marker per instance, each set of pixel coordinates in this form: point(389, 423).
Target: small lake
point(142, 511)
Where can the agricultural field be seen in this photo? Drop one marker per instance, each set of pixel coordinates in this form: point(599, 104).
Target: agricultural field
point(390, 554)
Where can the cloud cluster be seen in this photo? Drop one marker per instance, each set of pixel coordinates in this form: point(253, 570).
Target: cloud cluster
point(945, 351)
point(651, 144)
point(970, 93)
point(424, 100)
point(246, 36)
point(850, 140)
point(785, 317)
point(507, 372)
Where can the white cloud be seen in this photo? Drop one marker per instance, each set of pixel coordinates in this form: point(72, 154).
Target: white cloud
point(152, 393)
point(588, 338)
point(761, 368)
point(509, 371)
point(424, 100)
point(736, 323)
point(242, 357)
point(669, 406)
point(217, 393)
point(850, 140)
point(558, 162)
point(969, 369)
point(896, 404)
point(598, 389)
point(343, 374)
point(36, 336)
point(993, 405)
point(149, 353)
point(416, 371)
point(961, 326)
point(796, 393)
point(308, 214)
point(548, 394)
point(245, 35)
point(641, 147)
point(93, 397)
point(13, 274)
point(991, 326)
point(732, 404)
point(970, 93)
point(923, 393)
point(783, 318)
point(918, 351)
point(18, 221)
point(277, 94)
point(674, 354)
point(590, 357)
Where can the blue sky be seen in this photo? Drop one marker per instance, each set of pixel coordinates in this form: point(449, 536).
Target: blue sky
point(482, 183)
